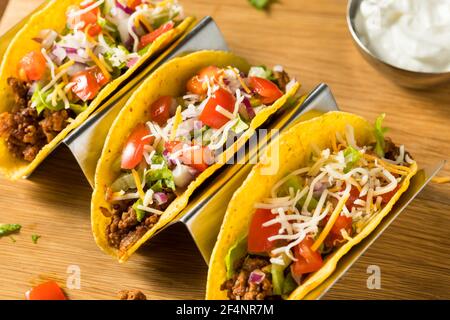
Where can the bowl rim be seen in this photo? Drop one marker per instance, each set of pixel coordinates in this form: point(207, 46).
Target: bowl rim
point(352, 28)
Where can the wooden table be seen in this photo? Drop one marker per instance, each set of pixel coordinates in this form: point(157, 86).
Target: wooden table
point(311, 40)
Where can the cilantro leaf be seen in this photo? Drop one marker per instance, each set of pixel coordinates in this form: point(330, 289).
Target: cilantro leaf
point(352, 157)
point(379, 135)
point(260, 4)
point(35, 238)
point(140, 214)
point(6, 229)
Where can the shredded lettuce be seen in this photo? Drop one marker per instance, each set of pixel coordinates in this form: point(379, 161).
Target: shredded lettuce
point(379, 135)
point(236, 253)
point(352, 156)
point(117, 57)
point(289, 284)
point(39, 99)
point(240, 126)
point(260, 72)
point(140, 214)
point(160, 178)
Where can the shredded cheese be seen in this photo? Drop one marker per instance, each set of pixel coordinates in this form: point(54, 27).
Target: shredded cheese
point(332, 219)
point(224, 112)
point(65, 66)
point(441, 180)
point(177, 121)
point(80, 12)
point(98, 63)
point(137, 180)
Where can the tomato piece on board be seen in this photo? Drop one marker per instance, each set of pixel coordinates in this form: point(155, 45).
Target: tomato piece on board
point(32, 66)
point(133, 151)
point(196, 83)
point(258, 235)
point(160, 110)
point(213, 118)
point(46, 291)
point(268, 90)
point(152, 36)
point(199, 157)
point(307, 260)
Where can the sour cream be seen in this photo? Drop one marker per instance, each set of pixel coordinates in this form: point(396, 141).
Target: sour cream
point(409, 34)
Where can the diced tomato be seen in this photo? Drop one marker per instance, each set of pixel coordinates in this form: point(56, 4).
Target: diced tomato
point(268, 90)
point(86, 86)
point(133, 3)
point(199, 158)
point(354, 195)
point(388, 196)
point(46, 291)
point(89, 20)
point(210, 116)
point(335, 235)
point(99, 76)
point(133, 152)
point(94, 30)
point(152, 36)
point(307, 260)
point(195, 84)
point(258, 235)
point(85, 5)
point(160, 110)
point(32, 67)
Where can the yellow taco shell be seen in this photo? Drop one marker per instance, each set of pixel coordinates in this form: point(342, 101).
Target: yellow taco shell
point(295, 147)
point(53, 16)
point(170, 79)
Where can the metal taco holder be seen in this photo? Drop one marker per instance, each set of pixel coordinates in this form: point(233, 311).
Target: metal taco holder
point(203, 216)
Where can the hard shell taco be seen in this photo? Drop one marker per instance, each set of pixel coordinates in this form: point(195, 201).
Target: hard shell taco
point(175, 131)
point(65, 61)
point(284, 233)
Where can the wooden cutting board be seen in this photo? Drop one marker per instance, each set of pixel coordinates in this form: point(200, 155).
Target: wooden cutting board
point(311, 40)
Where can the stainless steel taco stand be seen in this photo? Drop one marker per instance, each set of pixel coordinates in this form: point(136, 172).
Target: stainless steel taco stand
point(86, 142)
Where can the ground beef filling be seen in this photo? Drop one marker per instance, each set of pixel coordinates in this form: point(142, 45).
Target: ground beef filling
point(124, 229)
point(240, 288)
point(281, 79)
point(25, 131)
point(391, 151)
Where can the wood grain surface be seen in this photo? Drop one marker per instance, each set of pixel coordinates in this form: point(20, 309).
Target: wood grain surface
point(310, 38)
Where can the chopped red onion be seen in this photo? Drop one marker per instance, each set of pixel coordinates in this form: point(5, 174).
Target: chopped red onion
point(48, 37)
point(249, 109)
point(182, 175)
point(256, 276)
point(70, 50)
point(38, 40)
point(160, 198)
point(59, 54)
point(124, 8)
point(198, 125)
point(132, 62)
point(77, 58)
